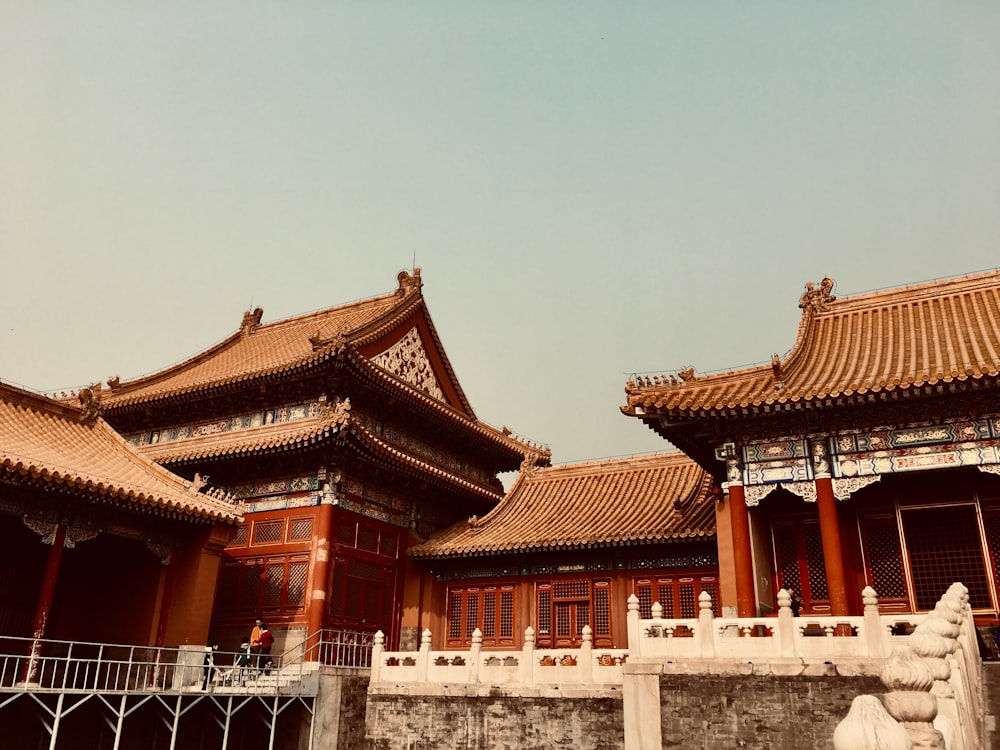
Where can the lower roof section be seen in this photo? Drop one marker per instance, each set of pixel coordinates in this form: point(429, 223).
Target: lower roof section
point(664, 497)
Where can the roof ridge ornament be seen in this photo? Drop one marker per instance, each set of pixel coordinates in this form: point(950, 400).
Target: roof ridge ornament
point(90, 402)
point(817, 300)
point(251, 320)
point(408, 283)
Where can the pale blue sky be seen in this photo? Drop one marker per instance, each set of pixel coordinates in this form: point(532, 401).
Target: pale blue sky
point(591, 189)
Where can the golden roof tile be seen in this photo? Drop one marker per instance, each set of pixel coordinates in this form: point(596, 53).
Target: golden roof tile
point(57, 444)
point(936, 332)
point(638, 500)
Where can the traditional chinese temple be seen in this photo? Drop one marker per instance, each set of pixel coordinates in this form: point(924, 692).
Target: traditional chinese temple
point(867, 456)
point(346, 436)
point(99, 543)
point(567, 547)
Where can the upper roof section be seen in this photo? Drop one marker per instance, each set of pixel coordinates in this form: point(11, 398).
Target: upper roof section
point(657, 498)
point(54, 443)
point(925, 334)
point(259, 349)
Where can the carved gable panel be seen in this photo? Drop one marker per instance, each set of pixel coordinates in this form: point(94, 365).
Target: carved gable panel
point(407, 359)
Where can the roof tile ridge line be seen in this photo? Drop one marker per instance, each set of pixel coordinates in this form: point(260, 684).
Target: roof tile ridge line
point(524, 477)
point(155, 470)
point(633, 462)
point(25, 399)
point(430, 468)
point(324, 311)
point(908, 293)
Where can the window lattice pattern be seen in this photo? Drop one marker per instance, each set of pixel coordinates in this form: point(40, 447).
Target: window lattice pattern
point(345, 533)
point(645, 596)
point(885, 559)
point(814, 559)
point(300, 528)
point(471, 613)
point(571, 590)
point(365, 570)
point(582, 616)
point(785, 542)
point(268, 532)
point(367, 539)
point(562, 620)
point(297, 582)
point(251, 586)
point(602, 611)
point(506, 614)
point(689, 607)
point(992, 523)
point(454, 615)
point(713, 591)
point(272, 585)
point(665, 596)
point(544, 612)
point(388, 545)
point(339, 587)
point(944, 548)
point(489, 614)
point(240, 537)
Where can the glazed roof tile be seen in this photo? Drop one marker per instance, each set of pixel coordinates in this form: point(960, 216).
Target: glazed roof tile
point(57, 444)
point(937, 332)
point(257, 349)
point(638, 500)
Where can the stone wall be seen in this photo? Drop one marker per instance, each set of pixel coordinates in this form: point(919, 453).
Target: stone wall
point(399, 722)
point(756, 712)
point(340, 709)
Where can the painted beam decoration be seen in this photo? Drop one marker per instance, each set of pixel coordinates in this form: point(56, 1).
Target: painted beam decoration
point(858, 459)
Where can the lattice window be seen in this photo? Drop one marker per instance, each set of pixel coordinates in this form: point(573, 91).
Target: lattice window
point(885, 557)
point(251, 585)
point(367, 538)
point(507, 614)
point(815, 562)
point(563, 612)
point(297, 572)
point(788, 557)
point(689, 607)
point(991, 521)
point(339, 588)
point(644, 593)
point(300, 528)
point(346, 531)
point(454, 615)
point(273, 579)
point(712, 589)
point(945, 547)
point(471, 613)
point(665, 595)
point(365, 570)
point(544, 611)
point(571, 589)
point(489, 614)
point(240, 537)
point(602, 611)
point(388, 545)
point(268, 532)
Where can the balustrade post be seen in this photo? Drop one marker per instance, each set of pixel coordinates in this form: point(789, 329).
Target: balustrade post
point(868, 726)
point(632, 619)
point(877, 643)
point(786, 625)
point(377, 648)
point(706, 626)
point(475, 656)
point(585, 664)
point(909, 699)
point(528, 657)
point(424, 656)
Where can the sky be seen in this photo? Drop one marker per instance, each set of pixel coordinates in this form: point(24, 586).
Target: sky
point(591, 189)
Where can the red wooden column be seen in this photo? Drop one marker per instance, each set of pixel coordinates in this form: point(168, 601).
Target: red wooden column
point(829, 527)
point(746, 600)
point(45, 596)
point(320, 574)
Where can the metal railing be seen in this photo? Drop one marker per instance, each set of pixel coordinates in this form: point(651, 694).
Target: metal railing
point(48, 665)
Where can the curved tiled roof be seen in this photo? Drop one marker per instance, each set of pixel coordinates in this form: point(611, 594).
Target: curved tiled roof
point(257, 350)
point(56, 444)
point(915, 336)
point(638, 500)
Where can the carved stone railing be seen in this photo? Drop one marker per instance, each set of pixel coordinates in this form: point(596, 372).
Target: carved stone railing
point(805, 638)
point(530, 666)
point(934, 695)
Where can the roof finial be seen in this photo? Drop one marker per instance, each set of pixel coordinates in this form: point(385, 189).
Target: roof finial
point(817, 300)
